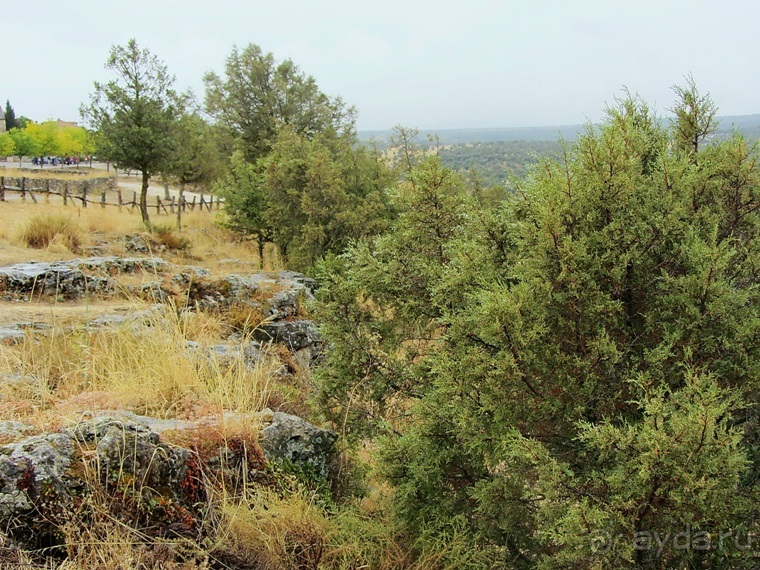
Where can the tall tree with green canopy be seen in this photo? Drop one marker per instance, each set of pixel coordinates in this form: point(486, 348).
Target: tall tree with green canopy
point(24, 143)
point(135, 114)
point(300, 179)
point(258, 96)
point(7, 146)
point(10, 116)
point(310, 197)
point(577, 376)
point(196, 159)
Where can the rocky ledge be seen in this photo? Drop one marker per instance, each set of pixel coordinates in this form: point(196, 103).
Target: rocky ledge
point(43, 477)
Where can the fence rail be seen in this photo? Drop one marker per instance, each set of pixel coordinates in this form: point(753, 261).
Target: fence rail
point(84, 196)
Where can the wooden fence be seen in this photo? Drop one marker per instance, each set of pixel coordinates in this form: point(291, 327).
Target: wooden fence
point(81, 194)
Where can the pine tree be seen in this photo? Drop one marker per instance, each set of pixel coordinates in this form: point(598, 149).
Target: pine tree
point(10, 116)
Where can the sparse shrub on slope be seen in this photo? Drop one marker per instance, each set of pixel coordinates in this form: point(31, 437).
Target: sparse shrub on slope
point(168, 237)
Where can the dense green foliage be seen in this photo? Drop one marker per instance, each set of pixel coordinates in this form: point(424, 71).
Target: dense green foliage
point(571, 376)
point(298, 176)
point(196, 158)
point(310, 197)
point(245, 203)
point(10, 116)
point(495, 163)
point(135, 114)
point(258, 97)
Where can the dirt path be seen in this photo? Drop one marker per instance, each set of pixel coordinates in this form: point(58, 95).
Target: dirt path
point(133, 184)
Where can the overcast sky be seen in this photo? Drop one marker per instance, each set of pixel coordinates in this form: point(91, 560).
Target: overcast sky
point(424, 64)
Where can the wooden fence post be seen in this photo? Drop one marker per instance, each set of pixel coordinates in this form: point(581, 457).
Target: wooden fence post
point(2, 188)
point(47, 192)
point(134, 201)
point(103, 199)
point(118, 192)
point(84, 195)
point(158, 205)
point(192, 206)
point(22, 185)
point(65, 193)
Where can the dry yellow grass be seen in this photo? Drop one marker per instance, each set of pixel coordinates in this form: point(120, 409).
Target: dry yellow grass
point(62, 374)
point(272, 531)
point(145, 369)
point(216, 248)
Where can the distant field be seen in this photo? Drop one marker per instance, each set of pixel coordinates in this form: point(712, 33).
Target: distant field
point(471, 136)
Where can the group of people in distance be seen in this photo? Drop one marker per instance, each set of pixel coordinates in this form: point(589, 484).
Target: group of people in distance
point(55, 160)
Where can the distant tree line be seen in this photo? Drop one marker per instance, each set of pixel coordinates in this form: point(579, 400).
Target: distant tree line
point(50, 138)
point(495, 163)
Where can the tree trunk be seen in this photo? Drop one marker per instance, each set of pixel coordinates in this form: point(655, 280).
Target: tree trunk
point(179, 210)
point(144, 198)
point(165, 182)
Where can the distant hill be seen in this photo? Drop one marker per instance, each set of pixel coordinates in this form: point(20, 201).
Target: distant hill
point(495, 156)
point(469, 136)
point(749, 125)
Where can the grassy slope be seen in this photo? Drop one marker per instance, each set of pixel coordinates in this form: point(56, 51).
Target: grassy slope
point(78, 369)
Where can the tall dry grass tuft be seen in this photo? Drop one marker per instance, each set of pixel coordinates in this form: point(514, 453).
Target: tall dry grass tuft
point(147, 367)
point(203, 326)
point(44, 230)
point(272, 531)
